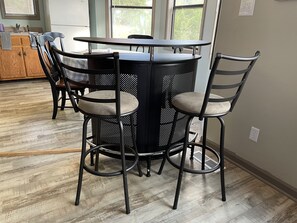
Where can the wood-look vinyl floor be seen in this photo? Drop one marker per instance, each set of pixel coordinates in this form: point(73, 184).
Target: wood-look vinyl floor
point(42, 188)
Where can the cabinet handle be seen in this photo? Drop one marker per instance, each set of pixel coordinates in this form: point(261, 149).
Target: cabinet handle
point(20, 54)
point(24, 54)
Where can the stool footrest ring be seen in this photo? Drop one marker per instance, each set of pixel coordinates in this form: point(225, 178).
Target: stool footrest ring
point(105, 147)
point(175, 147)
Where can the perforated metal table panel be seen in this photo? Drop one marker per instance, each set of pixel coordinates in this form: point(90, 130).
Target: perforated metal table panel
point(154, 83)
point(154, 79)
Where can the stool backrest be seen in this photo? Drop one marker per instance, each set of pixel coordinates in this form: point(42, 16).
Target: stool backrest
point(103, 74)
point(227, 78)
point(47, 63)
point(57, 37)
point(139, 36)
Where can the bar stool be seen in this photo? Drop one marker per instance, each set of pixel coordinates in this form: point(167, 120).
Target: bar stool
point(52, 74)
point(57, 40)
point(105, 101)
point(139, 36)
point(222, 92)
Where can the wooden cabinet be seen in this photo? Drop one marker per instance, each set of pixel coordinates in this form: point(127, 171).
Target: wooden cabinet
point(32, 64)
point(12, 64)
point(21, 61)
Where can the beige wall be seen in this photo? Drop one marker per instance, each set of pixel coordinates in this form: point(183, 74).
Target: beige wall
point(269, 100)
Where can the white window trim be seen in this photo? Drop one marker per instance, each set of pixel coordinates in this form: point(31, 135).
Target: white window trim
point(108, 18)
point(153, 17)
point(169, 16)
point(169, 13)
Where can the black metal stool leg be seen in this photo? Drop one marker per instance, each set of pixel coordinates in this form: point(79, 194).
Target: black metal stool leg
point(162, 165)
point(182, 163)
point(82, 159)
point(97, 160)
point(134, 143)
point(76, 91)
point(96, 135)
point(55, 94)
point(123, 159)
point(92, 158)
point(222, 141)
point(148, 163)
point(169, 143)
point(63, 99)
point(97, 143)
point(204, 143)
point(192, 152)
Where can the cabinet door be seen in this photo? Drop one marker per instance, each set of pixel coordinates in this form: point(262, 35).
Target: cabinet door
point(33, 66)
point(12, 63)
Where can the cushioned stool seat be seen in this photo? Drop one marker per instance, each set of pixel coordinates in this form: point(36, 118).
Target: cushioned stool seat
point(129, 103)
point(191, 102)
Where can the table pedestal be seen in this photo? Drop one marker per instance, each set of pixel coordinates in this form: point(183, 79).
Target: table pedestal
point(154, 83)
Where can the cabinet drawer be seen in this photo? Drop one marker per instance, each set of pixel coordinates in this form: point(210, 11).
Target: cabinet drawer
point(19, 40)
point(12, 63)
point(25, 40)
point(16, 41)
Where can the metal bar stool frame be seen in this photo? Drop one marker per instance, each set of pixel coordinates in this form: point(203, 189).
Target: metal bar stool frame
point(203, 113)
point(91, 99)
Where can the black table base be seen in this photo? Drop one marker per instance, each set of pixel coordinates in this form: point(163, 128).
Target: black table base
point(154, 83)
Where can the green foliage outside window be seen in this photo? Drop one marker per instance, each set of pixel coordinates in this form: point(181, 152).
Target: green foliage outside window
point(187, 23)
point(128, 19)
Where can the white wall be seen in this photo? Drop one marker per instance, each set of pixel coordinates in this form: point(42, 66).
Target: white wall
point(268, 101)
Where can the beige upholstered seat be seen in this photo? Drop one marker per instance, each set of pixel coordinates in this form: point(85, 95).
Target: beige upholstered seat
point(129, 103)
point(191, 102)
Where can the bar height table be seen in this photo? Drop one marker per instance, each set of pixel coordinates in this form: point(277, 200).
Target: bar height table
point(151, 43)
point(154, 78)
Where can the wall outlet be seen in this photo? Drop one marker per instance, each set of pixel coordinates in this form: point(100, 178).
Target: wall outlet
point(254, 133)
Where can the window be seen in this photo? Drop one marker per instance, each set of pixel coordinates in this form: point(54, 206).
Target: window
point(187, 19)
point(131, 17)
point(19, 9)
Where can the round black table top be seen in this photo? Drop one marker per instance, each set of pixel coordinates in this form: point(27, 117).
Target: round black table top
point(144, 42)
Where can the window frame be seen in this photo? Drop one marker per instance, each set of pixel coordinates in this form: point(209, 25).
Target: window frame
point(109, 8)
point(170, 14)
point(35, 16)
